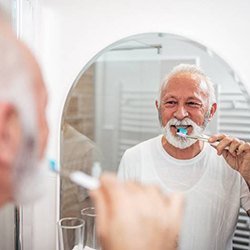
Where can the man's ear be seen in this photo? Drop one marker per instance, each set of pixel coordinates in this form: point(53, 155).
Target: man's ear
point(212, 111)
point(156, 104)
point(10, 132)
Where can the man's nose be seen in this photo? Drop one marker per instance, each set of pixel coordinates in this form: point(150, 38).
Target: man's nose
point(181, 113)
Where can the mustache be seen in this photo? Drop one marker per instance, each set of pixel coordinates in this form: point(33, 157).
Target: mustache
point(184, 122)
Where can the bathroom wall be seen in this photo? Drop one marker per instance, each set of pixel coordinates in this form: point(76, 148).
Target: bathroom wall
point(7, 227)
point(6, 5)
point(65, 35)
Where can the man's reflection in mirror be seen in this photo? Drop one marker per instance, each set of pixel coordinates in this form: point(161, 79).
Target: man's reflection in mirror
point(214, 179)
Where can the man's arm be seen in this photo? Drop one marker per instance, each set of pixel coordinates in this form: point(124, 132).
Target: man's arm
point(132, 216)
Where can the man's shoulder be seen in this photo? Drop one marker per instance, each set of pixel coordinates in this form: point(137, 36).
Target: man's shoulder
point(145, 144)
point(133, 154)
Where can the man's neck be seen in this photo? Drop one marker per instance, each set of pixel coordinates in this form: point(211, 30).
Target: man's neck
point(182, 154)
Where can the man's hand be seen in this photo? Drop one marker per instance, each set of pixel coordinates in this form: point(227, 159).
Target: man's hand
point(237, 153)
point(131, 216)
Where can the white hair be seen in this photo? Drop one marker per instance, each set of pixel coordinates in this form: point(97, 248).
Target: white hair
point(16, 83)
point(192, 69)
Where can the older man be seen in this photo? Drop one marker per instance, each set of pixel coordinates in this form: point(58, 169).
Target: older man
point(23, 124)
point(214, 190)
point(23, 137)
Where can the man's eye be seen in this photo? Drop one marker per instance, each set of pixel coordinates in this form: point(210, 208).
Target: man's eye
point(170, 103)
point(194, 104)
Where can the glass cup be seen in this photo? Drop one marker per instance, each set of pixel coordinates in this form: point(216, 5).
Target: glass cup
point(90, 239)
point(71, 233)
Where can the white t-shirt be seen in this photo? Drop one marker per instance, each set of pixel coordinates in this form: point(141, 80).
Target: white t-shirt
point(213, 191)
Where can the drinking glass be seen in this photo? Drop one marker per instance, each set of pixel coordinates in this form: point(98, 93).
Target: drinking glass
point(71, 233)
point(90, 239)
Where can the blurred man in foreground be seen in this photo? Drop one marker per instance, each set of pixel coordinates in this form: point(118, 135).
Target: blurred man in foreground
point(133, 216)
point(23, 138)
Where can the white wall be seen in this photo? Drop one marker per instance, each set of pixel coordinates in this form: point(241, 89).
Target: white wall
point(67, 34)
point(7, 227)
point(6, 5)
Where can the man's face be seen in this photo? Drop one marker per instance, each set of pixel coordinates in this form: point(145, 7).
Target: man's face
point(184, 97)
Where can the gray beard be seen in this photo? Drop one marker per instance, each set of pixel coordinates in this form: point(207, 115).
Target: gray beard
point(28, 177)
point(178, 141)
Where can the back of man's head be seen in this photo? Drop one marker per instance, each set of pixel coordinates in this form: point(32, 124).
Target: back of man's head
point(22, 97)
point(15, 76)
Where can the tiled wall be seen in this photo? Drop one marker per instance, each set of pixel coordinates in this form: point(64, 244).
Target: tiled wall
point(78, 148)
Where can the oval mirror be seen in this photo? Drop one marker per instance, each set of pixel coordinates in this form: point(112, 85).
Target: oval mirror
point(111, 105)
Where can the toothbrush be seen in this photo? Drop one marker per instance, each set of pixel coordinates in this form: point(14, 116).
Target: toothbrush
point(78, 177)
point(182, 132)
point(197, 137)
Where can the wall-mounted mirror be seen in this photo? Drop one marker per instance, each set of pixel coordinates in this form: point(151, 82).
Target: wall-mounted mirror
point(110, 106)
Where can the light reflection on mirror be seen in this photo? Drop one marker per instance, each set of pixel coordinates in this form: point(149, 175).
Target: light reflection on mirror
point(110, 106)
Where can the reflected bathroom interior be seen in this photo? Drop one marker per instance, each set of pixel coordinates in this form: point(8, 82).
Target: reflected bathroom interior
point(110, 106)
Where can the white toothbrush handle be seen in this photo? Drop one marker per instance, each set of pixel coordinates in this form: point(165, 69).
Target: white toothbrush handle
point(84, 180)
point(215, 144)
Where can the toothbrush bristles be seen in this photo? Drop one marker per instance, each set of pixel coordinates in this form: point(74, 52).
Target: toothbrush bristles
point(182, 130)
point(53, 166)
point(181, 134)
